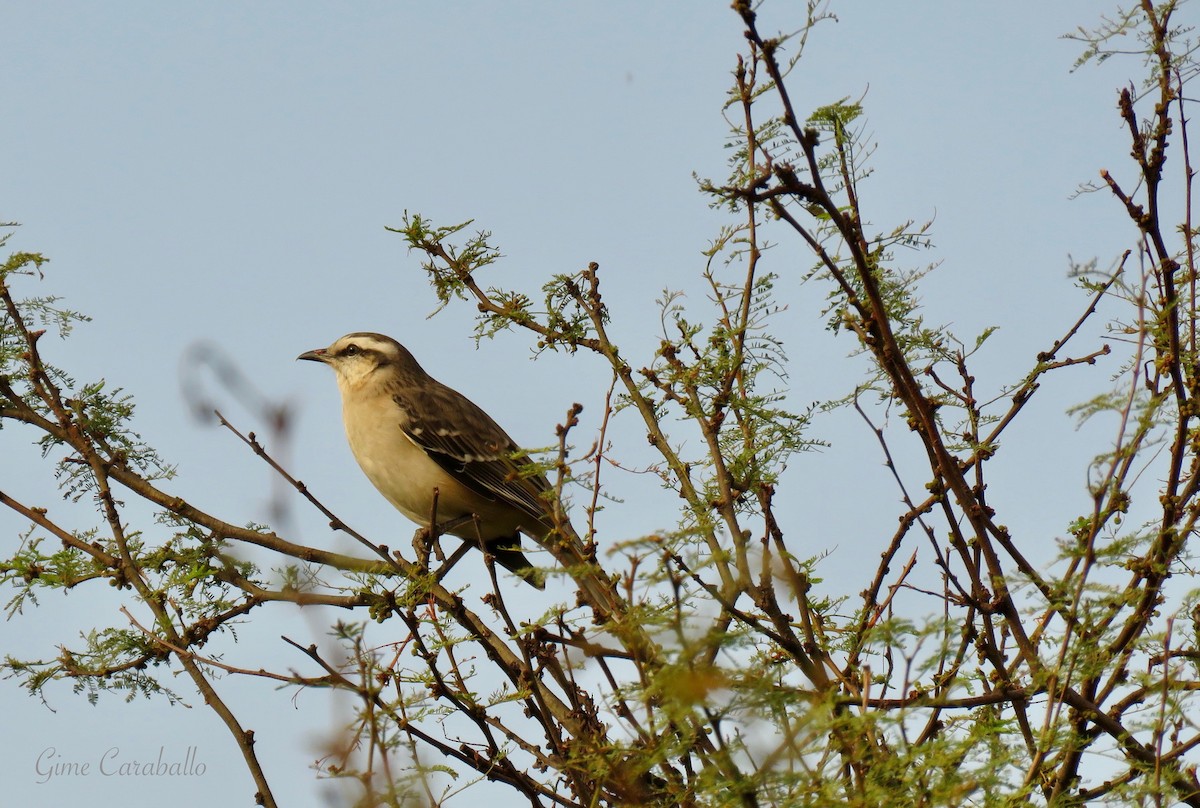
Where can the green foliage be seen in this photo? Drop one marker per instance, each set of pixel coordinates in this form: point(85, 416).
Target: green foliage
point(29, 570)
point(446, 281)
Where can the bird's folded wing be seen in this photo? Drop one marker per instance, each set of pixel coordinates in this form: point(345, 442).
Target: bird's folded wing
point(472, 448)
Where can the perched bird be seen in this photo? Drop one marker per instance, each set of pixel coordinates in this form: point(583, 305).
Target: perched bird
point(413, 435)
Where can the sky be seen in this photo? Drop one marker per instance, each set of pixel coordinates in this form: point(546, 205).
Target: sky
point(216, 180)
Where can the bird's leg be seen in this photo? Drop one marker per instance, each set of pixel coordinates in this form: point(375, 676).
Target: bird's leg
point(462, 550)
point(426, 538)
point(421, 542)
point(455, 523)
point(425, 541)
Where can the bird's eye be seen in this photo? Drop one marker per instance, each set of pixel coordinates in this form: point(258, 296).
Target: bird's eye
point(352, 350)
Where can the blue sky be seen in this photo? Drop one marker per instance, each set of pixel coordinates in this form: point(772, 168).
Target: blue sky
point(222, 174)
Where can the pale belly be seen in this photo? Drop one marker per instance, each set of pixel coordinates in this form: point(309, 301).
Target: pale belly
point(408, 478)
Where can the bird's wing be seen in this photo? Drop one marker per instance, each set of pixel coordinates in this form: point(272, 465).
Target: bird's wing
point(471, 447)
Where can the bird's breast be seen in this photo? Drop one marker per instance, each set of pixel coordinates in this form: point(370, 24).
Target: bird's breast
point(407, 476)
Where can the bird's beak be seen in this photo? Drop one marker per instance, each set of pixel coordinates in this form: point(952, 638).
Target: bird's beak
point(318, 355)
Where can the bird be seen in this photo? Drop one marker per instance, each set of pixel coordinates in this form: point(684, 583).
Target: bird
point(435, 454)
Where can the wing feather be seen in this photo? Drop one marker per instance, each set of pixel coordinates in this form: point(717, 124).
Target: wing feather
point(465, 441)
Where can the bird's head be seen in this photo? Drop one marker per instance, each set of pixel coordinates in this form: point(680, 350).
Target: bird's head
point(364, 358)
